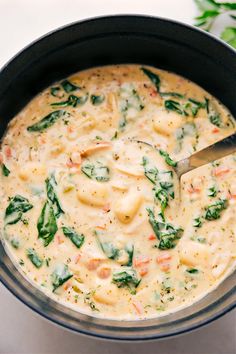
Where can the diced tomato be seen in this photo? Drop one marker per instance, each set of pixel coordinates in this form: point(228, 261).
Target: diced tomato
point(140, 260)
point(220, 171)
point(67, 285)
point(104, 272)
point(165, 267)
point(153, 93)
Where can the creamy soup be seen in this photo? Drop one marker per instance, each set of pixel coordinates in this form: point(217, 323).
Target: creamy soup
point(96, 218)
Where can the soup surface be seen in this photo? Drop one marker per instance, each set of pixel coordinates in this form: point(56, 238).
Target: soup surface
point(92, 215)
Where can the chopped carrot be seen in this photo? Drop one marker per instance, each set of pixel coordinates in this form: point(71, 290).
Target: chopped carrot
point(165, 267)
point(106, 208)
point(220, 171)
point(8, 152)
point(67, 285)
point(59, 240)
point(138, 307)
point(104, 272)
point(93, 263)
point(152, 237)
point(70, 129)
point(101, 227)
point(143, 271)
point(153, 93)
point(193, 189)
point(42, 140)
point(215, 130)
point(96, 147)
point(77, 258)
point(140, 260)
point(165, 256)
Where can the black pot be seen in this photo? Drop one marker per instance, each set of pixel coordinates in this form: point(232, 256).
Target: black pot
point(110, 40)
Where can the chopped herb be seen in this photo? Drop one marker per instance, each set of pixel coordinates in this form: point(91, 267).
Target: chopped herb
point(77, 239)
point(172, 94)
point(130, 250)
point(198, 239)
point(96, 99)
point(69, 86)
point(213, 211)
point(17, 206)
point(88, 301)
point(212, 191)
point(155, 79)
point(48, 260)
point(197, 222)
point(52, 196)
point(97, 171)
point(115, 136)
point(168, 159)
point(5, 170)
point(60, 275)
point(33, 256)
point(127, 278)
point(21, 262)
point(215, 120)
point(73, 101)
point(47, 121)
point(150, 173)
point(192, 270)
point(47, 224)
point(98, 137)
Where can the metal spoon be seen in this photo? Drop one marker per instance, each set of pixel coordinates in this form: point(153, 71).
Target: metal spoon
point(211, 153)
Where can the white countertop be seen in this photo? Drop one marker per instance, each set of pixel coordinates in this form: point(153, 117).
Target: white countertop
point(21, 330)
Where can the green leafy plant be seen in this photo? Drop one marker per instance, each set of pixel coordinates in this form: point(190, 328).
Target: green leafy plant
point(210, 11)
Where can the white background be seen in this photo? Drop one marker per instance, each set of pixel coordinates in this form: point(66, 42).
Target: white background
point(21, 330)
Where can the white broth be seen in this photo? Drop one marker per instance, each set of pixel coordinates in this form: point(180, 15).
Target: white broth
point(92, 216)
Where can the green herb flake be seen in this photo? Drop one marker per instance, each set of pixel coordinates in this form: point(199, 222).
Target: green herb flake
point(76, 239)
point(212, 191)
point(197, 222)
point(34, 258)
point(15, 243)
point(192, 271)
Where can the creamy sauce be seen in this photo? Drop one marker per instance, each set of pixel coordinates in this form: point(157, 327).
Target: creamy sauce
point(93, 217)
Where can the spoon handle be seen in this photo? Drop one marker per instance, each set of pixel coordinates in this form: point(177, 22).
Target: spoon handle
point(212, 153)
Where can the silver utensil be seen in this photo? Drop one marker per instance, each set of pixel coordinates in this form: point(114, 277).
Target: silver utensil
point(211, 153)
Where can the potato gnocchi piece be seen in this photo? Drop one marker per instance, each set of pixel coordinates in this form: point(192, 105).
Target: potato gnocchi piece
point(192, 253)
point(127, 207)
point(107, 294)
point(166, 123)
point(93, 194)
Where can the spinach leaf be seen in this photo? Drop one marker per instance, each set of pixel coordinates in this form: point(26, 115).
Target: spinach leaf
point(214, 210)
point(47, 224)
point(215, 119)
point(151, 173)
point(60, 275)
point(162, 196)
point(130, 250)
point(55, 91)
point(47, 121)
point(229, 35)
point(166, 233)
point(52, 196)
point(110, 251)
point(73, 101)
point(17, 207)
point(15, 243)
point(212, 191)
point(97, 171)
point(69, 86)
point(127, 278)
point(175, 106)
point(33, 256)
point(5, 170)
point(97, 99)
point(155, 79)
point(168, 159)
point(171, 94)
point(197, 222)
point(77, 239)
